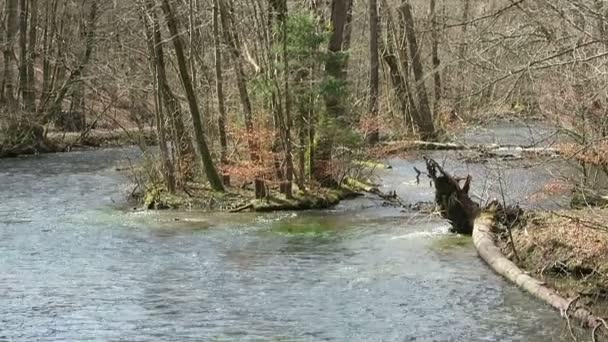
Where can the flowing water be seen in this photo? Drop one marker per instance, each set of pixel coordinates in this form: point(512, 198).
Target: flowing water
point(76, 267)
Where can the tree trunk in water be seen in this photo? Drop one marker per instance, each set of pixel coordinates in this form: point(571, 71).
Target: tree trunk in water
point(425, 117)
point(219, 89)
point(453, 200)
point(203, 150)
point(374, 77)
point(435, 55)
point(8, 82)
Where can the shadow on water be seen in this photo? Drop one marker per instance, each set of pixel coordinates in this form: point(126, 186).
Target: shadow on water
point(71, 269)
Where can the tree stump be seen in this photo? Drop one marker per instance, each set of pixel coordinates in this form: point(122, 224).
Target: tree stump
point(453, 200)
point(260, 188)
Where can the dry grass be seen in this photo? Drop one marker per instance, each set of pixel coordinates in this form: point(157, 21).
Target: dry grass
point(568, 250)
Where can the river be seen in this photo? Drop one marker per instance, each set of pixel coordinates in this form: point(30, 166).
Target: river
point(76, 266)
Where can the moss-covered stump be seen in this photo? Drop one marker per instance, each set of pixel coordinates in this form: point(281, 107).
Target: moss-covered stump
point(237, 200)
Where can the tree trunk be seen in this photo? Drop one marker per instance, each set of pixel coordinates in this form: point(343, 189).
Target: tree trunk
point(425, 118)
point(435, 54)
point(8, 82)
point(23, 53)
point(219, 88)
point(374, 77)
point(462, 51)
point(336, 116)
point(399, 78)
point(29, 88)
point(152, 29)
point(203, 150)
point(76, 74)
point(181, 139)
point(453, 200)
point(287, 188)
point(232, 41)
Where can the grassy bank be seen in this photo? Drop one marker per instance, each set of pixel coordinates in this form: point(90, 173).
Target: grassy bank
point(569, 251)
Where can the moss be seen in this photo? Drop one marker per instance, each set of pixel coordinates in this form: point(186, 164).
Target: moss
point(199, 197)
point(311, 229)
point(452, 242)
point(319, 199)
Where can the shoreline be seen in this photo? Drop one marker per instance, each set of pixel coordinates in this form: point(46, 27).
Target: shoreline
point(492, 250)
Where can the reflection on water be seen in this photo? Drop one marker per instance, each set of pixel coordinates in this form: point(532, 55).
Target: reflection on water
point(73, 270)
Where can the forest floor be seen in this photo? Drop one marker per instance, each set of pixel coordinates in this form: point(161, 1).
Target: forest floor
point(568, 250)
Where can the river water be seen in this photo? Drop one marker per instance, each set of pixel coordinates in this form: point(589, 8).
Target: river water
point(74, 266)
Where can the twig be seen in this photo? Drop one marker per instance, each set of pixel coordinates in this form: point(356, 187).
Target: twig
point(574, 300)
point(584, 223)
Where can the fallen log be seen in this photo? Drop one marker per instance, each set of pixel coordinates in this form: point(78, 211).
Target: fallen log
point(490, 149)
point(484, 242)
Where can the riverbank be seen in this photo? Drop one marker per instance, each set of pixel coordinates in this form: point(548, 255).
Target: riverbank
point(58, 142)
point(568, 250)
point(199, 197)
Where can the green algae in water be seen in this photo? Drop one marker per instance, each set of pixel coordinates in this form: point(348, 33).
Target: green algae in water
point(452, 242)
point(305, 226)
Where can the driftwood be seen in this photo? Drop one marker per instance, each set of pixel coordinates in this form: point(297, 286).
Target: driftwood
point(453, 200)
point(491, 254)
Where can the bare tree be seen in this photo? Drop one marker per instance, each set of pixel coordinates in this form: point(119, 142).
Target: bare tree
point(374, 64)
point(203, 150)
point(424, 120)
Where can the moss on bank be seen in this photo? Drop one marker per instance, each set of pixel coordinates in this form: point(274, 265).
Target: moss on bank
point(202, 198)
point(569, 251)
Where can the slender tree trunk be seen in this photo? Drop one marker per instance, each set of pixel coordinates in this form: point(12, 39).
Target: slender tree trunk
point(76, 74)
point(336, 112)
point(29, 88)
point(425, 118)
point(462, 55)
point(8, 82)
point(23, 53)
point(46, 49)
point(219, 88)
point(152, 27)
point(288, 122)
point(398, 72)
point(435, 54)
point(232, 41)
point(184, 148)
point(203, 150)
point(348, 34)
point(374, 77)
